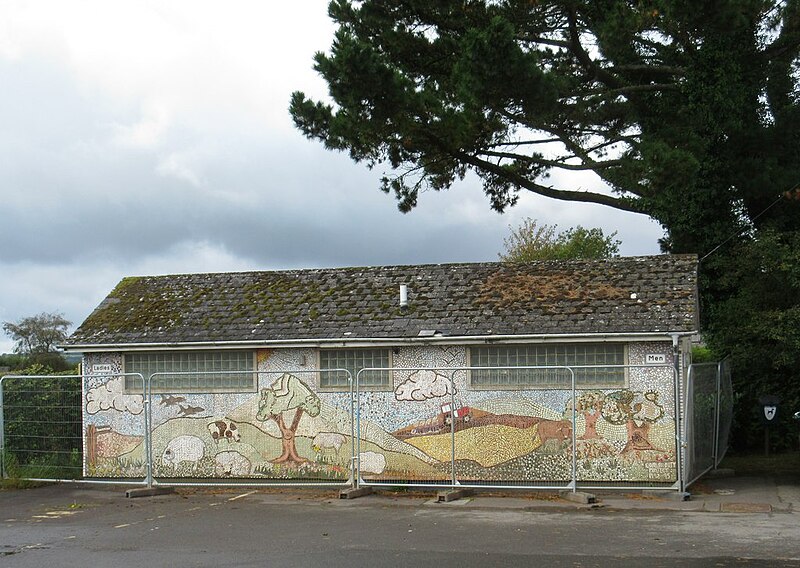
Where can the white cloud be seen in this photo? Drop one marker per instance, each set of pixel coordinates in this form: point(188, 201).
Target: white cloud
point(199, 56)
point(111, 396)
point(422, 385)
point(191, 256)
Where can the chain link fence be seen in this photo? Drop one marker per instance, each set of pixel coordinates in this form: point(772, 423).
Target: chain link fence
point(41, 427)
point(725, 411)
point(89, 428)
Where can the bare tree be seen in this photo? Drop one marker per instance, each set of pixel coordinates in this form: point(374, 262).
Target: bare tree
point(39, 334)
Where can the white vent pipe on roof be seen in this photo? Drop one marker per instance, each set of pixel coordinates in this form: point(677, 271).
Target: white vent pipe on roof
point(403, 296)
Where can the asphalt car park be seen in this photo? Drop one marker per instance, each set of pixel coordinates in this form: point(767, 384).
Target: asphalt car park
point(69, 525)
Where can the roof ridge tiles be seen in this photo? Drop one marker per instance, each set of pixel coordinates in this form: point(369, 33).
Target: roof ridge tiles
point(638, 258)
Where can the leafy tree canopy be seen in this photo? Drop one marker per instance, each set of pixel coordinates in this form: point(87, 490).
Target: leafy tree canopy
point(756, 320)
point(38, 334)
point(687, 111)
point(12, 361)
point(534, 241)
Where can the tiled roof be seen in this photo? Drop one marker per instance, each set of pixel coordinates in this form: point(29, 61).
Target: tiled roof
point(622, 295)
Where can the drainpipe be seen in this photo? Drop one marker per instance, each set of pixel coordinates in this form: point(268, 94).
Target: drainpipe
point(679, 442)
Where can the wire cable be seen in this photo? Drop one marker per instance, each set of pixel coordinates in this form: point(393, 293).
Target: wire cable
point(739, 233)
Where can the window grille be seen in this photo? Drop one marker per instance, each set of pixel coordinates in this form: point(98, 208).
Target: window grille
point(547, 355)
point(354, 360)
point(225, 368)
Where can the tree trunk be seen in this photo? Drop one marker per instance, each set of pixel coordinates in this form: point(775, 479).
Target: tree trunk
point(289, 454)
point(637, 437)
point(590, 432)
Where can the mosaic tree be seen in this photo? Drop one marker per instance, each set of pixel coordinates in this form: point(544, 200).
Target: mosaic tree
point(637, 411)
point(590, 404)
point(286, 394)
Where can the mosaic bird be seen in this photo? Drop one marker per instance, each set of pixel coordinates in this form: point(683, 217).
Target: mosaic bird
point(189, 410)
point(171, 400)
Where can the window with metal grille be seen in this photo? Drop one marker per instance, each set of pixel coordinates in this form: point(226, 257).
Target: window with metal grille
point(354, 360)
point(594, 355)
point(195, 371)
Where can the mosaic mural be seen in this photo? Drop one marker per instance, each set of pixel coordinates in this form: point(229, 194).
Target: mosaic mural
point(429, 422)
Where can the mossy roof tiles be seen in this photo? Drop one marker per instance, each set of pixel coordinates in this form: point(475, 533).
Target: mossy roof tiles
point(623, 295)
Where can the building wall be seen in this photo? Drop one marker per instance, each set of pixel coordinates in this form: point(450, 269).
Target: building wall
point(291, 429)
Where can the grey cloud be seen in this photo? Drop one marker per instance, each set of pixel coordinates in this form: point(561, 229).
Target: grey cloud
point(80, 210)
point(310, 206)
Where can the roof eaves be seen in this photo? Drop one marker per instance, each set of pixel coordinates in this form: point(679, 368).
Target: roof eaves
point(367, 341)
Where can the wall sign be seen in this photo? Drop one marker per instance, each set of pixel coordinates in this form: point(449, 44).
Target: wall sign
point(98, 369)
point(769, 409)
point(655, 359)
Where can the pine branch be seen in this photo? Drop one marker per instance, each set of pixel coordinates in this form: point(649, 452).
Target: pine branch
point(624, 204)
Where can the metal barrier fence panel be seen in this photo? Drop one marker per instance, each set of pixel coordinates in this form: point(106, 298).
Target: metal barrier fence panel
point(283, 431)
point(520, 437)
point(405, 434)
point(41, 427)
point(115, 419)
point(59, 427)
point(641, 423)
point(702, 407)
point(538, 438)
point(725, 414)
point(431, 428)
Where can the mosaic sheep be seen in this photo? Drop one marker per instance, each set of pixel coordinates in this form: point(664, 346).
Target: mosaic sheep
point(183, 449)
point(372, 462)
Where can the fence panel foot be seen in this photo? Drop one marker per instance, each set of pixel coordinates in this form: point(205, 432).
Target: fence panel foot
point(672, 495)
point(354, 492)
point(453, 495)
point(579, 497)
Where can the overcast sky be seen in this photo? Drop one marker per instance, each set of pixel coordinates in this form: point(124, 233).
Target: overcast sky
point(152, 137)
